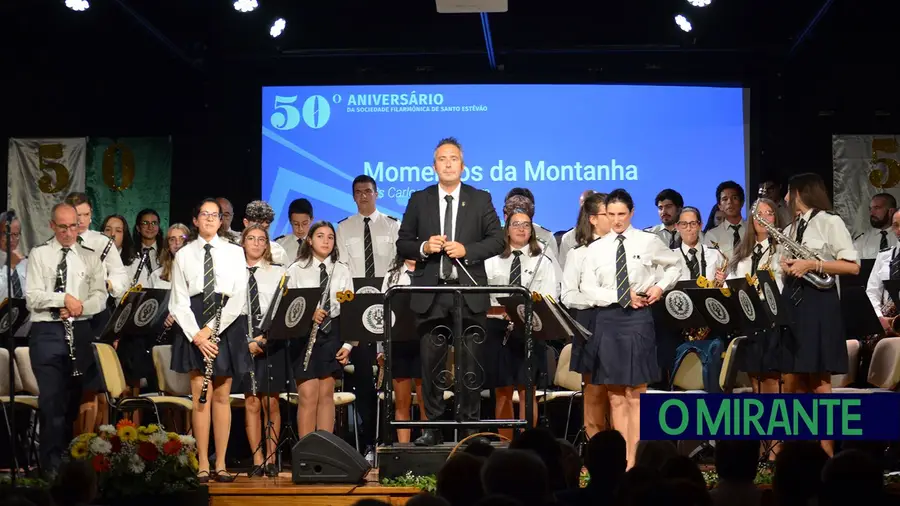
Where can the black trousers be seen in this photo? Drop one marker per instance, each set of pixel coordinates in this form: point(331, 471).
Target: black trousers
point(60, 392)
point(435, 347)
point(362, 384)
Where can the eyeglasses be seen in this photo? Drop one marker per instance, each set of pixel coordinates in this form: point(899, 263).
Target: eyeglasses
point(767, 214)
point(145, 223)
point(209, 215)
point(65, 228)
point(259, 239)
point(688, 224)
point(12, 235)
point(177, 239)
point(520, 224)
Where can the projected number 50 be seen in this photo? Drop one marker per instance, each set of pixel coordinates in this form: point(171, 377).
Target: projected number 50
point(316, 112)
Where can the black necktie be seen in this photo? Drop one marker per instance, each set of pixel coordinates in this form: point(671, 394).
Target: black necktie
point(16, 284)
point(369, 252)
point(446, 266)
point(737, 234)
point(623, 289)
point(797, 292)
point(253, 292)
point(515, 270)
point(323, 285)
point(757, 256)
point(299, 245)
point(883, 245)
point(672, 242)
point(62, 275)
point(693, 264)
point(801, 228)
point(209, 283)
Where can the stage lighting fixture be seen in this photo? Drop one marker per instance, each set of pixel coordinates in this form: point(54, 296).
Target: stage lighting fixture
point(699, 3)
point(245, 5)
point(277, 27)
point(683, 23)
point(78, 5)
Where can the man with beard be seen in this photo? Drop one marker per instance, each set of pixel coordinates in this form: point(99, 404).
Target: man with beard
point(728, 234)
point(878, 237)
point(668, 203)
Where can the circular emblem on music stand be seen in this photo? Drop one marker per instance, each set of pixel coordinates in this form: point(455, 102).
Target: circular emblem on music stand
point(770, 298)
point(294, 312)
point(123, 319)
point(145, 312)
point(679, 305)
point(9, 319)
point(536, 324)
point(363, 290)
point(747, 305)
point(373, 319)
point(717, 311)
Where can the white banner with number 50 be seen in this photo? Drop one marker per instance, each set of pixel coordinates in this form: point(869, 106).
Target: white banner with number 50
point(41, 172)
point(864, 165)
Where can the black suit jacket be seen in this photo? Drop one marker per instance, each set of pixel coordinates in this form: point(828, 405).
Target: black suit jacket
point(477, 228)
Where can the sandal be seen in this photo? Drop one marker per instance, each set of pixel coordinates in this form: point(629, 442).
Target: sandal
point(203, 477)
point(223, 476)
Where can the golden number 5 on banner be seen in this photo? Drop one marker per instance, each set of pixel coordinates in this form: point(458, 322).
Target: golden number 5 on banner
point(109, 167)
point(46, 183)
point(887, 170)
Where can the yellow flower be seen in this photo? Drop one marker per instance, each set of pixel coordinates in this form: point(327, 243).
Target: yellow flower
point(142, 437)
point(152, 428)
point(127, 433)
point(79, 449)
point(172, 436)
point(192, 460)
point(87, 436)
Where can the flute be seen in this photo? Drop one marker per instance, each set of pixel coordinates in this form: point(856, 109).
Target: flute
point(252, 359)
point(208, 373)
point(315, 326)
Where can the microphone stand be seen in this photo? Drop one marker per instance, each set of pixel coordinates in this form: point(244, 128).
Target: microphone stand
point(11, 344)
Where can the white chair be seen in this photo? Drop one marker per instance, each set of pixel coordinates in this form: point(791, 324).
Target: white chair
point(569, 383)
point(24, 396)
point(884, 370)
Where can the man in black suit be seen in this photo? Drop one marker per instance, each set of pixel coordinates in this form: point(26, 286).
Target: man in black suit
point(450, 229)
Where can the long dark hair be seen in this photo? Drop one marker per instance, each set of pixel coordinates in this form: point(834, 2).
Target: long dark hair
point(534, 247)
point(139, 239)
point(745, 247)
point(394, 270)
point(127, 252)
point(584, 231)
point(306, 251)
point(811, 189)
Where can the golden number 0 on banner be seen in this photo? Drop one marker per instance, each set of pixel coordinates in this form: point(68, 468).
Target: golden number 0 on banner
point(109, 167)
point(889, 175)
point(48, 152)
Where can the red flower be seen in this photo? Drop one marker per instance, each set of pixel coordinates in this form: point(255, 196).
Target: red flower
point(172, 447)
point(148, 451)
point(101, 463)
point(116, 444)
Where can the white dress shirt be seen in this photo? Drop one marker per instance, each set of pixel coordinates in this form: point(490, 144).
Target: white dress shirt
point(545, 281)
point(645, 253)
point(157, 282)
point(827, 235)
point(546, 237)
point(663, 233)
point(268, 278)
point(306, 274)
point(571, 295)
point(711, 257)
point(351, 242)
point(868, 244)
point(115, 271)
point(442, 209)
point(187, 280)
point(771, 259)
point(279, 255)
point(85, 280)
point(881, 271)
point(722, 236)
point(146, 270)
point(566, 244)
point(21, 270)
point(291, 245)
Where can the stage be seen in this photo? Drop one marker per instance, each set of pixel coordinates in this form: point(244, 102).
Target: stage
point(280, 491)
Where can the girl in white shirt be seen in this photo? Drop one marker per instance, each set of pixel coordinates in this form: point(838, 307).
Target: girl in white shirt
point(269, 377)
point(624, 273)
point(592, 225)
point(523, 263)
point(406, 361)
point(317, 266)
point(198, 290)
point(817, 337)
point(176, 236)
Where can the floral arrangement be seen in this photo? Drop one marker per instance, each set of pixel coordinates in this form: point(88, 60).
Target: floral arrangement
point(132, 461)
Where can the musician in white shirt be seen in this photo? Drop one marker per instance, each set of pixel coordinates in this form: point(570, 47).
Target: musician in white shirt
point(887, 267)
point(668, 204)
point(624, 273)
point(19, 267)
point(259, 212)
point(544, 236)
point(728, 234)
point(878, 236)
point(592, 225)
point(269, 379)
point(206, 271)
point(699, 260)
point(300, 215)
point(522, 263)
point(318, 266)
point(817, 337)
point(567, 242)
point(161, 278)
point(148, 246)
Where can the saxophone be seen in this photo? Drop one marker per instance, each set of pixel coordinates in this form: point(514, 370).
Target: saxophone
point(794, 249)
point(208, 372)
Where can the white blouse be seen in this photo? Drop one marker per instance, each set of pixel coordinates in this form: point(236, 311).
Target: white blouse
point(881, 271)
point(774, 263)
point(827, 235)
point(268, 278)
point(544, 275)
point(305, 274)
point(157, 282)
point(711, 257)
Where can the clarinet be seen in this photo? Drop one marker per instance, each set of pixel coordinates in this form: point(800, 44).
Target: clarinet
point(137, 273)
point(69, 326)
point(315, 326)
point(162, 335)
point(208, 373)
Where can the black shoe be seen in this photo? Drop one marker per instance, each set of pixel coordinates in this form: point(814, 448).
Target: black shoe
point(271, 470)
point(429, 438)
point(480, 439)
point(223, 477)
point(257, 472)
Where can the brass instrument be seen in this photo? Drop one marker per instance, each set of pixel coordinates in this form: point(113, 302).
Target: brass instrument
point(889, 311)
point(794, 249)
point(208, 373)
point(703, 282)
point(315, 326)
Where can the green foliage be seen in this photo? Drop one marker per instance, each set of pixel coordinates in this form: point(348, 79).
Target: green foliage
point(425, 483)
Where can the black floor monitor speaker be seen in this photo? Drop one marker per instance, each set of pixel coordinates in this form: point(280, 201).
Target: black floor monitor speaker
point(322, 457)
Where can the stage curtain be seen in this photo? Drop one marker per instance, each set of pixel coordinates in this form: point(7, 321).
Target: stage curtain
point(863, 165)
point(40, 172)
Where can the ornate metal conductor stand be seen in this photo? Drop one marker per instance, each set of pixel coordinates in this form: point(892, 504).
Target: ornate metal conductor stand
point(458, 350)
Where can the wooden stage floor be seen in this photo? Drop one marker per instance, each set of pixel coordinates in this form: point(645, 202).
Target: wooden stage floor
point(281, 491)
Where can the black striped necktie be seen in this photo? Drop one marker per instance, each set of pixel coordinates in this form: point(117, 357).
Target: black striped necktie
point(693, 264)
point(62, 275)
point(323, 285)
point(253, 292)
point(623, 288)
point(209, 283)
point(369, 252)
point(883, 245)
point(672, 242)
point(737, 234)
point(756, 257)
point(515, 270)
point(16, 284)
point(797, 292)
point(895, 266)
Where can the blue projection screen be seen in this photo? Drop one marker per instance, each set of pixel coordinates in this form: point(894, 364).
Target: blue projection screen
point(557, 140)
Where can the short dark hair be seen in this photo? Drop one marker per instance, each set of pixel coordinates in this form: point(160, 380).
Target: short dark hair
point(363, 179)
point(691, 209)
point(670, 194)
point(451, 141)
point(75, 199)
point(891, 200)
point(729, 185)
point(300, 206)
point(525, 192)
point(737, 460)
point(620, 195)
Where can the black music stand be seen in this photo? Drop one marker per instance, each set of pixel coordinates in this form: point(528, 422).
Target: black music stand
point(777, 311)
point(363, 318)
point(151, 307)
point(15, 310)
point(122, 321)
point(721, 310)
point(865, 269)
point(367, 285)
point(676, 309)
point(581, 332)
point(858, 313)
point(546, 325)
point(757, 314)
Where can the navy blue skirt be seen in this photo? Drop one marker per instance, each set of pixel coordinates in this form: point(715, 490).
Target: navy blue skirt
point(322, 362)
point(233, 360)
point(269, 369)
point(816, 340)
point(406, 360)
point(581, 361)
point(623, 347)
point(764, 352)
